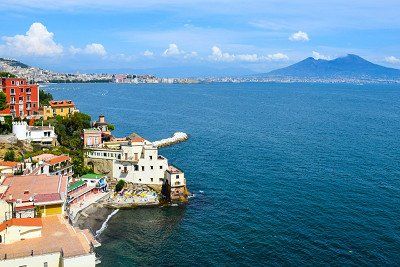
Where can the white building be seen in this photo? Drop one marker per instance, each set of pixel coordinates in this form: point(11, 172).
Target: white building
point(136, 161)
point(43, 135)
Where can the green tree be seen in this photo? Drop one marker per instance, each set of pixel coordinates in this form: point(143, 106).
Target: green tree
point(111, 127)
point(5, 74)
point(3, 100)
point(9, 156)
point(44, 98)
point(6, 126)
point(119, 186)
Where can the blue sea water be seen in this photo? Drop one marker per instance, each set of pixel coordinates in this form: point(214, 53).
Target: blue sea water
point(283, 174)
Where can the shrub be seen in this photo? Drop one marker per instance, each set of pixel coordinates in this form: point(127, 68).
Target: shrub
point(9, 156)
point(120, 185)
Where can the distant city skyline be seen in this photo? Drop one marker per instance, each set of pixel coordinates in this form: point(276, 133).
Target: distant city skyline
point(199, 36)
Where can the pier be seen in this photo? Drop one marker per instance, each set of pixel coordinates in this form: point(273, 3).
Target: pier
point(176, 138)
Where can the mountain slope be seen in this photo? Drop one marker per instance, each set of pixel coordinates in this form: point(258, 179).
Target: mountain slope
point(350, 66)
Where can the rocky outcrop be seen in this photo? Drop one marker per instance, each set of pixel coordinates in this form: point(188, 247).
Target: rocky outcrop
point(102, 166)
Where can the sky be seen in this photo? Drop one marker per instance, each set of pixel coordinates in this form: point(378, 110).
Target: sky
point(198, 36)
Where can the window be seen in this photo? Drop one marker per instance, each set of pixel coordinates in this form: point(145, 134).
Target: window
point(45, 264)
point(12, 91)
point(22, 90)
point(140, 180)
point(136, 167)
point(151, 157)
point(151, 179)
point(160, 167)
point(142, 168)
point(151, 167)
point(12, 82)
point(177, 176)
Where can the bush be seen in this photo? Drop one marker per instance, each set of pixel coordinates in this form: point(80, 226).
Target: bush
point(44, 98)
point(120, 185)
point(9, 156)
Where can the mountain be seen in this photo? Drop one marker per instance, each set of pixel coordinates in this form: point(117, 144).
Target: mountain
point(13, 63)
point(350, 66)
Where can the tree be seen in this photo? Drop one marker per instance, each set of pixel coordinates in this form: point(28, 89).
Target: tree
point(3, 100)
point(111, 127)
point(9, 156)
point(44, 98)
point(119, 186)
point(5, 74)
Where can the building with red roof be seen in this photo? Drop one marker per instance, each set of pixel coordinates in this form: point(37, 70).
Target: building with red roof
point(32, 196)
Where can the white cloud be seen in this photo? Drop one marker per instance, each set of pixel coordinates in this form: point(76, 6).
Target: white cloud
point(172, 50)
point(95, 49)
point(37, 41)
point(148, 53)
point(392, 60)
point(190, 55)
point(218, 55)
point(317, 55)
point(89, 49)
point(299, 37)
point(278, 56)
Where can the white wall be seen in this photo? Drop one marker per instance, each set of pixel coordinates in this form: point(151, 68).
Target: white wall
point(88, 260)
point(52, 259)
point(148, 172)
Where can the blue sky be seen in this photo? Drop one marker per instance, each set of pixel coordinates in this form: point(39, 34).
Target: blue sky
point(247, 36)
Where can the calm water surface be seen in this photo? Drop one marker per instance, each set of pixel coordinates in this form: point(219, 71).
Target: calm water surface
point(283, 174)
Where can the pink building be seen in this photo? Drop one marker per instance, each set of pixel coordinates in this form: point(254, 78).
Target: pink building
point(92, 137)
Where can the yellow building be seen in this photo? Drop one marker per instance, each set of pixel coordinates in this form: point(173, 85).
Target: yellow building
point(62, 108)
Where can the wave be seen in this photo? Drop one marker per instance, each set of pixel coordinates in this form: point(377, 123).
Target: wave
point(104, 225)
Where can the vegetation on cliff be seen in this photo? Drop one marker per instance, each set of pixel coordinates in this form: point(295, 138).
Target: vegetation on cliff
point(69, 136)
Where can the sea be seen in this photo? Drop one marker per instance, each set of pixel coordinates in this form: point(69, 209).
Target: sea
point(281, 173)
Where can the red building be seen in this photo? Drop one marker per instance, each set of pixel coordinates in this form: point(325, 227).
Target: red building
point(22, 97)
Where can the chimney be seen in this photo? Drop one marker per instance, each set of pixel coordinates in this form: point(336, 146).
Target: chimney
point(101, 119)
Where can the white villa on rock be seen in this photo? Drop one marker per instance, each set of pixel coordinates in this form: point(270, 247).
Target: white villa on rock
point(136, 161)
point(43, 135)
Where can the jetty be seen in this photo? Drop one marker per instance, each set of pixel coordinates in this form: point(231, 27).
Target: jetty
point(176, 138)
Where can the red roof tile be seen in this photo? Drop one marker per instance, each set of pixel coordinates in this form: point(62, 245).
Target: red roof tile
point(21, 222)
point(25, 187)
point(137, 139)
point(9, 163)
point(61, 103)
point(40, 198)
point(58, 159)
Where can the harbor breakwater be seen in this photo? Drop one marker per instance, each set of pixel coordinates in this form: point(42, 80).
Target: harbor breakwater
point(176, 138)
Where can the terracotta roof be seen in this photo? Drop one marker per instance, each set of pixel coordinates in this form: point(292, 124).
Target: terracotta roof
point(26, 187)
point(62, 103)
point(9, 163)
point(21, 222)
point(57, 234)
point(28, 207)
point(137, 139)
point(47, 197)
point(58, 159)
point(173, 169)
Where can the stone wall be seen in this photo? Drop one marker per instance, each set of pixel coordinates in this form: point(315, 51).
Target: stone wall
point(103, 166)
